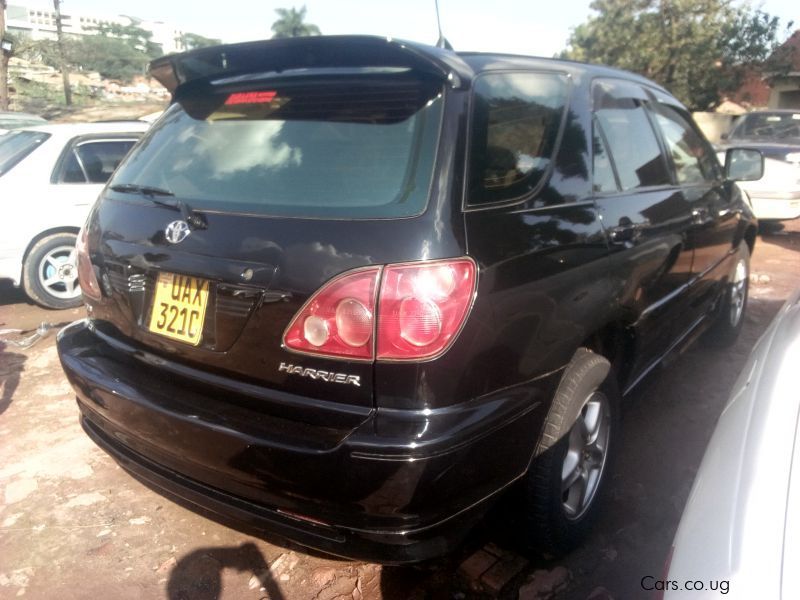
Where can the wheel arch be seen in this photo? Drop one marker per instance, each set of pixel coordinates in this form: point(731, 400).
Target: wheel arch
point(615, 342)
point(36, 239)
point(46, 233)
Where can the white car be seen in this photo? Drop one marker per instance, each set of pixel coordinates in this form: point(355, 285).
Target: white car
point(49, 178)
point(776, 134)
point(740, 530)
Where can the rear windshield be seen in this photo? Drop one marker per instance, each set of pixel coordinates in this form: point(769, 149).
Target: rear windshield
point(360, 148)
point(16, 145)
point(776, 126)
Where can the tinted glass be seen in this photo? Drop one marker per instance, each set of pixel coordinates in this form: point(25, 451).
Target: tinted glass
point(515, 123)
point(632, 143)
point(363, 148)
point(768, 125)
point(603, 179)
point(17, 145)
point(71, 171)
point(99, 159)
point(693, 162)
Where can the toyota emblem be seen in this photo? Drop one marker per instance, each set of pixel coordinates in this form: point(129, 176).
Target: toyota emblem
point(177, 231)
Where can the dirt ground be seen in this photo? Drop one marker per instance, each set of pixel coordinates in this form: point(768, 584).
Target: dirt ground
point(74, 525)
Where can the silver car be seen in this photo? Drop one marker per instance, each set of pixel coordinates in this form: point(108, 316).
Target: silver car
point(740, 531)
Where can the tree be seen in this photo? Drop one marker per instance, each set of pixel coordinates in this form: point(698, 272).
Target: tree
point(4, 56)
point(290, 23)
point(192, 40)
point(697, 49)
point(134, 36)
point(62, 54)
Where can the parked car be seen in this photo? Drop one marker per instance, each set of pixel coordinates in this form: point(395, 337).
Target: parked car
point(352, 289)
point(15, 120)
point(776, 134)
point(49, 178)
point(741, 524)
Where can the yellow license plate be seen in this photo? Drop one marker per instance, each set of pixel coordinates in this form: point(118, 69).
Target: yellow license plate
point(179, 307)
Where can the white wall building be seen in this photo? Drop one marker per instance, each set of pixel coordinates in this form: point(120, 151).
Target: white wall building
point(40, 23)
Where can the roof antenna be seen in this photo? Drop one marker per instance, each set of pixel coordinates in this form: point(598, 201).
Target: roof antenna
point(442, 41)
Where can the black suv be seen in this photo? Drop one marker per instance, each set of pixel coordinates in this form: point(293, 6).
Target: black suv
point(351, 289)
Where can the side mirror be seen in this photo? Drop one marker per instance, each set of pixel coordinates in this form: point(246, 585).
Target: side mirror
point(744, 164)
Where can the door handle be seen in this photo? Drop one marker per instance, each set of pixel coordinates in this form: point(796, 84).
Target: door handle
point(701, 216)
point(625, 234)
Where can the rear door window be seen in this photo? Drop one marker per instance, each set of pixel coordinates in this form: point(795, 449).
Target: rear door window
point(516, 118)
point(362, 146)
point(93, 161)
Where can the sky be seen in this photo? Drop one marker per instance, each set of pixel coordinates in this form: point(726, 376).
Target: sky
point(533, 27)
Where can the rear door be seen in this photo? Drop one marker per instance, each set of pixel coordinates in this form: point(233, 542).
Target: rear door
point(83, 169)
point(647, 218)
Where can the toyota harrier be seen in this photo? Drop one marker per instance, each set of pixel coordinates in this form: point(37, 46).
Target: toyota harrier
point(351, 289)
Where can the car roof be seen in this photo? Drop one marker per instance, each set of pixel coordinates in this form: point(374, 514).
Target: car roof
point(180, 71)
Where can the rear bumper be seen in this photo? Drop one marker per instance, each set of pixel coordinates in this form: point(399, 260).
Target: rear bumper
point(388, 486)
point(776, 205)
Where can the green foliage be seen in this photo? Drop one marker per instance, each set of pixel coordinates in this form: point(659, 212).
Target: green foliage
point(290, 23)
point(193, 40)
point(697, 49)
point(113, 58)
point(134, 36)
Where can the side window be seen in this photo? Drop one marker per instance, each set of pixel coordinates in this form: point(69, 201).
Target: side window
point(99, 159)
point(515, 123)
point(691, 157)
point(71, 171)
point(603, 178)
point(632, 143)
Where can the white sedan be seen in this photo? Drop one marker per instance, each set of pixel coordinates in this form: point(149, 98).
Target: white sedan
point(49, 178)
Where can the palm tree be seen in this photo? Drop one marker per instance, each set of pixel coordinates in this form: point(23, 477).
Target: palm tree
point(290, 24)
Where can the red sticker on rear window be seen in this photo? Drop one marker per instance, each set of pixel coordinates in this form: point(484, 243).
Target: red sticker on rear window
point(250, 98)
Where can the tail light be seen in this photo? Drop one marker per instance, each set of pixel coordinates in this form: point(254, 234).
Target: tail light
point(339, 319)
point(86, 275)
point(421, 307)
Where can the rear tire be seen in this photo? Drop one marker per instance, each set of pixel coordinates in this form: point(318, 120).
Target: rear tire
point(563, 486)
point(50, 272)
point(730, 313)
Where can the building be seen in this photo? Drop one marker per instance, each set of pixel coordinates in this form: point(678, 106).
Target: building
point(40, 23)
point(765, 89)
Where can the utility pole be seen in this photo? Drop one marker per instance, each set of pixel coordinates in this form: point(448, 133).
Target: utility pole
point(62, 56)
point(4, 56)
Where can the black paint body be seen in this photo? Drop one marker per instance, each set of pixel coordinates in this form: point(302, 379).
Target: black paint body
point(395, 470)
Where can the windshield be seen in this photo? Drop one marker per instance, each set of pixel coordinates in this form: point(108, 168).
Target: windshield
point(774, 126)
point(360, 148)
point(16, 145)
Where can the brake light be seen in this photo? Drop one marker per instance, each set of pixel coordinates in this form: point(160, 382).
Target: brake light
point(339, 319)
point(86, 276)
point(421, 307)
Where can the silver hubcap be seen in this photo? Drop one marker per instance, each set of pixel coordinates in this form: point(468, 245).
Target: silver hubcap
point(586, 456)
point(738, 292)
point(58, 273)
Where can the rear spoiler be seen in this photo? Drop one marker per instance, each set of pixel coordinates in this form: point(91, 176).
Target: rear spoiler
point(318, 52)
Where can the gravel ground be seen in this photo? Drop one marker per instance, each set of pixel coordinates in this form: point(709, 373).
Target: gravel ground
point(74, 525)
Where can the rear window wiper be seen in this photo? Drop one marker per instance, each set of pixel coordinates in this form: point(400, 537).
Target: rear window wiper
point(195, 221)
